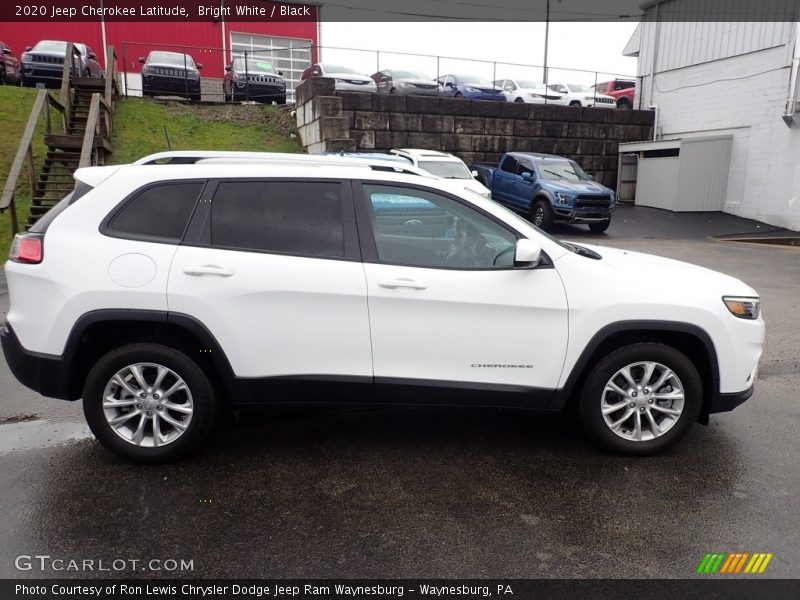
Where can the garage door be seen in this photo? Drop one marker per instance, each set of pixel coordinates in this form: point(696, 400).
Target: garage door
point(290, 55)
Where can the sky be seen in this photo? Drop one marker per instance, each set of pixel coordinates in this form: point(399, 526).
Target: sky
point(592, 46)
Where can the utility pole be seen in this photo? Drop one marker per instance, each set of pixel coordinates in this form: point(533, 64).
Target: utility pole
point(546, 40)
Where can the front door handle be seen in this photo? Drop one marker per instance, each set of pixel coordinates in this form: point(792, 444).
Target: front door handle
point(402, 283)
point(207, 270)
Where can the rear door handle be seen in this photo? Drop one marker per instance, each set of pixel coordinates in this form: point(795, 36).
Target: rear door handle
point(402, 283)
point(207, 270)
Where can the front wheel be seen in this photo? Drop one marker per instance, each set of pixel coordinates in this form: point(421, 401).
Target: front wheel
point(575, 103)
point(641, 398)
point(542, 215)
point(149, 403)
point(600, 226)
point(519, 100)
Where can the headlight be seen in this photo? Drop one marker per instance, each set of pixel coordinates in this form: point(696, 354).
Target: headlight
point(239, 77)
point(194, 75)
point(404, 84)
point(563, 198)
point(25, 57)
point(473, 90)
point(743, 307)
point(588, 97)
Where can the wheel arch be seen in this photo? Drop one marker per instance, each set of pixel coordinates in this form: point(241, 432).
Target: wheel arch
point(691, 340)
point(98, 332)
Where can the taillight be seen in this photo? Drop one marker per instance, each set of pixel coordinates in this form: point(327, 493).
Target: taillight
point(27, 248)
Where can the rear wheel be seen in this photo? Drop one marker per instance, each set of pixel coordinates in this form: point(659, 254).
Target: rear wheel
point(149, 403)
point(600, 226)
point(542, 214)
point(519, 100)
point(641, 398)
point(624, 103)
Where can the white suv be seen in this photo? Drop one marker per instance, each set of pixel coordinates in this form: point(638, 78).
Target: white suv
point(159, 292)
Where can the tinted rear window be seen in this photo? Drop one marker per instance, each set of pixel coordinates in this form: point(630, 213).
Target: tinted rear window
point(293, 217)
point(160, 211)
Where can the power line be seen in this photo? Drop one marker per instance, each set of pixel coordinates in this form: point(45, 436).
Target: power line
point(694, 85)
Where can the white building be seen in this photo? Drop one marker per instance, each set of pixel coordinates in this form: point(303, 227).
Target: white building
point(737, 78)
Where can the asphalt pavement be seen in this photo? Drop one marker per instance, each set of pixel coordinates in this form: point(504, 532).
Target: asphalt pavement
point(413, 492)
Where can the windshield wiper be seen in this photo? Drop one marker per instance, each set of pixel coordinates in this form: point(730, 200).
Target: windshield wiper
point(554, 173)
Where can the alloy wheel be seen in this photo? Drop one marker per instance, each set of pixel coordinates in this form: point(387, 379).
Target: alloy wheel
point(148, 405)
point(538, 216)
point(642, 401)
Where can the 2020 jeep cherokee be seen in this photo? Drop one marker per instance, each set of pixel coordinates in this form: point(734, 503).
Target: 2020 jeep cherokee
point(156, 292)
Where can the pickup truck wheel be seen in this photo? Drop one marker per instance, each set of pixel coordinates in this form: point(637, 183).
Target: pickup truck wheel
point(599, 226)
point(641, 398)
point(149, 403)
point(542, 215)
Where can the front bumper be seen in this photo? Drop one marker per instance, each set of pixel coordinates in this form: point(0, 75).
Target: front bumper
point(258, 92)
point(417, 91)
point(49, 75)
point(43, 373)
point(482, 96)
point(592, 215)
point(172, 86)
point(345, 86)
point(727, 402)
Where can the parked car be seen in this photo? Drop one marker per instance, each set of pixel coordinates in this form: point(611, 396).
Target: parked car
point(10, 68)
point(395, 81)
point(170, 74)
point(548, 188)
point(470, 87)
point(526, 90)
point(322, 282)
point(582, 95)
point(622, 90)
point(44, 63)
point(442, 164)
point(254, 79)
point(347, 79)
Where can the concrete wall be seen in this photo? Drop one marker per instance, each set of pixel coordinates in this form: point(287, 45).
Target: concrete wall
point(474, 130)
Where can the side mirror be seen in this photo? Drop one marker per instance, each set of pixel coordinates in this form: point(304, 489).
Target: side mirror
point(229, 67)
point(92, 55)
point(142, 59)
point(28, 48)
point(280, 73)
point(474, 174)
point(7, 51)
point(589, 177)
point(527, 175)
point(198, 65)
point(527, 253)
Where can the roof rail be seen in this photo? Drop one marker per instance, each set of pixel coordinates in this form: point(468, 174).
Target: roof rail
point(190, 157)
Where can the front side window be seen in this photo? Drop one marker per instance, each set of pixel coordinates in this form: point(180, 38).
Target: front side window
point(423, 229)
point(509, 165)
point(159, 211)
point(292, 217)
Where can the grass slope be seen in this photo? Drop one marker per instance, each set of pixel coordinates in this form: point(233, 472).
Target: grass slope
point(139, 130)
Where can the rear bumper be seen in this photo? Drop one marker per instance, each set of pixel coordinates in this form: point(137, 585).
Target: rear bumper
point(42, 373)
point(727, 402)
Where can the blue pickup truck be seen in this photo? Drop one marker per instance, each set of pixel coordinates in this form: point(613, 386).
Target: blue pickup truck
point(548, 188)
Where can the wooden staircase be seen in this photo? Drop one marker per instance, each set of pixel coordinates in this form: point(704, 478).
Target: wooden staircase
point(86, 107)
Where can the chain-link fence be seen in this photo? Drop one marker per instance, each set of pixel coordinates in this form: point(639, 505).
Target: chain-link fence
point(263, 69)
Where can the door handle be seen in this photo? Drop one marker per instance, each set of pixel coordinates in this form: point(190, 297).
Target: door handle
point(402, 283)
point(207, 270)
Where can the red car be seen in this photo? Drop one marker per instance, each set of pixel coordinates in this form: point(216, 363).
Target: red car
point(622, 90)
point(9, 65)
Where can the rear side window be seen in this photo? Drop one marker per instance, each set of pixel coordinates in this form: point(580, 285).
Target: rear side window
point(160, 211)
point(292, 217)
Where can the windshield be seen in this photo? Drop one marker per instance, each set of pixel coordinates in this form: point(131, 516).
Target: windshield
point(528, 84)
point(409, 75)
point(255, 66)
point(573, 87)
point(171, 58)
point(472, 79)
point(562, 169)
point(447, 169)
point(338, 69)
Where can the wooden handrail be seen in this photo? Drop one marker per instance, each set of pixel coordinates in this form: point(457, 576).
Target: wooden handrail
point(92, 120)
point(111, 75)
point(69, 70)
point(7, 198)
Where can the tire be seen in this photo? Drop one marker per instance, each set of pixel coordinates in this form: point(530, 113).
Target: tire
point(393, 91)
point(542, 214)
point(597, 392)
point(198, 397)
point(194, 97)
point(282, 100)
point(519, 100)
point(600, 226)
point(624, 104)
point(575, 103)
point(2, 74)
point(458, 95)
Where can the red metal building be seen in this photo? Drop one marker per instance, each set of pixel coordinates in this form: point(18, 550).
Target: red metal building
point(289, 45)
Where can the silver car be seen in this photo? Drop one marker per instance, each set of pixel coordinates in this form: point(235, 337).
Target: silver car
point(347, 79)
point(396, 81)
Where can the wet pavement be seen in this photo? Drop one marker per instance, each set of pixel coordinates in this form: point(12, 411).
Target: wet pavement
point(412, 492)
